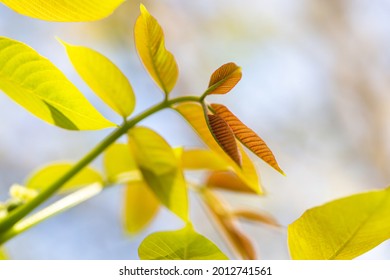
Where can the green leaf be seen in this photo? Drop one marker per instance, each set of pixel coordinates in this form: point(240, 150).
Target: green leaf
point(119, 164)
point(3, 255)
point(160, 169)
point(342, 229)
point(184, 244)
point(140, 207)
point(60, 10)
point(36, 84)
point(47, 175)
point(103, 77)
point(149, 41)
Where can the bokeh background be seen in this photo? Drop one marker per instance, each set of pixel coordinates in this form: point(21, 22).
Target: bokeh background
point(315, 86)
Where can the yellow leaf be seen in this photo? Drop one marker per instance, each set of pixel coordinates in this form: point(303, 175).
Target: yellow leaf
point(149, 41)
point(36, 84)
point(160, 169)
point(103, 77)
point(224, 79)
point(60, 10)
point(194, 115)
point(140, 207)
point(202, 159)
point(119, 164)
point(247, 136)
point(47, 175)
point(227, 180)
point(3, 255)
point(224, 137)
point(342, 229)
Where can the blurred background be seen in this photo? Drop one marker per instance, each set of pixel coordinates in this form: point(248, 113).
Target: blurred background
point(315, 88)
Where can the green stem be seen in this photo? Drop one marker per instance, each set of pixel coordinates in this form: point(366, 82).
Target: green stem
point(22, 211)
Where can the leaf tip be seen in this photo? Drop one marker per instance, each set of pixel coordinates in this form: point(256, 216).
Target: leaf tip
point(143, 9)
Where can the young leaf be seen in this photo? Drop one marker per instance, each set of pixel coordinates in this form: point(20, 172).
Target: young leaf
point(160, 169)
point(193, 114)
point(342, 229)
point(224, 79)
point(140, 207)
point(224, 137)
point(149, 41)
point(103, 77)
point(45, 176)
point(202, 159)
point(37, 85)
point(119, 164)
point(227, 180)
point(256, 216)
point(184, 244)
point(247, 136)
point(60, 10)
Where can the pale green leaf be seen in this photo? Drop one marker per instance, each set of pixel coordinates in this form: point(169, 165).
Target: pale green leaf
point(36, 84)
point(193, 114)
point(342, 229)
point(184, 244)
point(103, 77)
point(140, 207)
point(47, 175)
point(160, 169)
point(3, 255)
point(119, 164)
point(202, 159)
point(60, 10)
point(149, 41)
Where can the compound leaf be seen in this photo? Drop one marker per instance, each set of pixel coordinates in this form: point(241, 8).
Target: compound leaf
point(247, 136)
point(47, 175)
point(160, 169)
point(140, 207)
point(103, 77)
point(158, 61)
point(342, 229)
point(193, 114)
point(67, 11)
point(36, 84)
point(224, 79)
point(183, 244)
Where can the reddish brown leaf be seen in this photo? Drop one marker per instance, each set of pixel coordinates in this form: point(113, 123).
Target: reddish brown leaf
point(223, 134)
point(247, 136)
point(224, 79)
point(257, 216)
point(227, 180)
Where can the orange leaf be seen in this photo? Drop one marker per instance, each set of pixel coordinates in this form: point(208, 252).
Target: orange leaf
point(224, 136)
point(224, 79)
point(227, 180)
point(247, 136)
point(253, 216)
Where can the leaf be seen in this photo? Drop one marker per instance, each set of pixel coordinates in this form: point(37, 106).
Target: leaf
point(36, 84)
point(196, 159)
point(160, 169)
point(60, 10)
point(224, 137)
point(3, 255)
point(47, 175)
point(256, 216)
point(103, 77)
point(247, 136)
point(224, 79)
point(227, 180)
point(140, 207)
point(184, 244)
point(149, 41)
point(342, 229)
point(119, 164)
point(193, 114)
